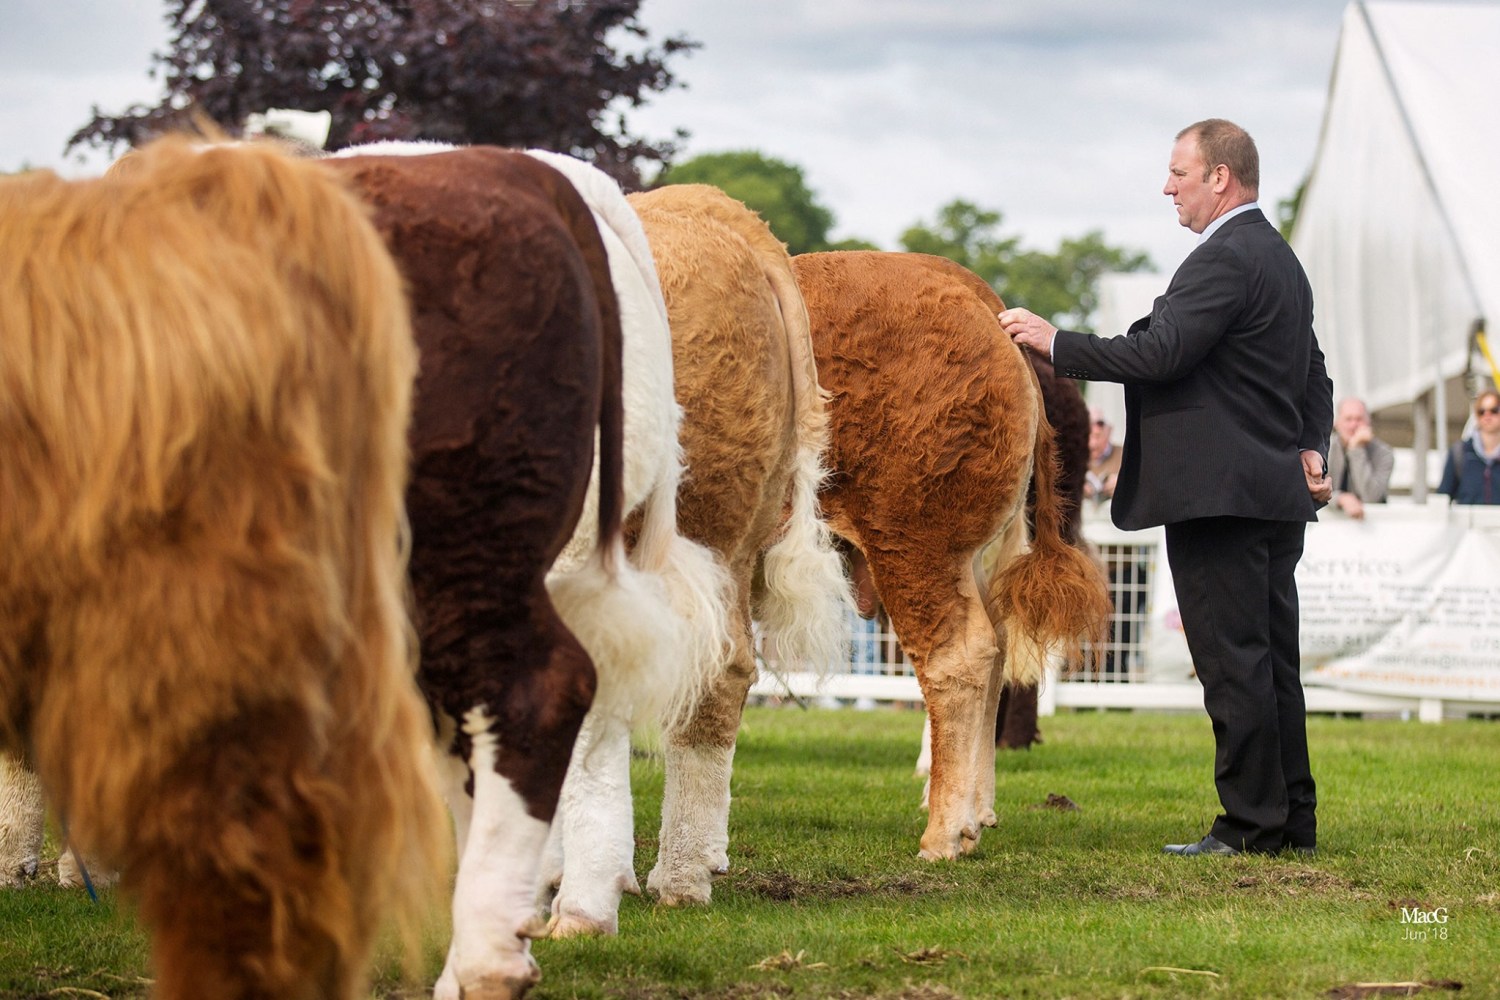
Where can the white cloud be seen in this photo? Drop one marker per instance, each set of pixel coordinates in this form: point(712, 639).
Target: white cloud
point(1058, 114)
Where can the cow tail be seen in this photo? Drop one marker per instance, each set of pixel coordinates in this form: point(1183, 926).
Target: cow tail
point(806, 599)
point(1052, 596)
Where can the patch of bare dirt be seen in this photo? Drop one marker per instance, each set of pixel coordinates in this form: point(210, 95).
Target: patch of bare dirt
point(1360, 991)
point(1294, 881)
point(784, 887)
point(776, 991)
point(1059, 802)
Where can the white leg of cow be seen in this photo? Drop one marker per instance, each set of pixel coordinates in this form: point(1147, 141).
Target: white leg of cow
point(694, 823)
point(494, 900)
point(453, 775)
point(21, 821)
point(598, 835)
point(550, 876)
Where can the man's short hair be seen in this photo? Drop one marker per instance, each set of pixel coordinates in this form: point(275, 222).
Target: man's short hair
point(1221, 141)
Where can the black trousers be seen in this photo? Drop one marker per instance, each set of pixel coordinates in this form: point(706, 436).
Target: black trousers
point(1238, 600)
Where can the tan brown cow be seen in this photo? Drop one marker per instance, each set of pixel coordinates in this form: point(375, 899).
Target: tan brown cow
point(205, 381)
point(937, 430)
point(754, 432)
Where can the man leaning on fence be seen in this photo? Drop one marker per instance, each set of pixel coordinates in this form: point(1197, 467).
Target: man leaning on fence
point(1359, 463)
point(1228, 411)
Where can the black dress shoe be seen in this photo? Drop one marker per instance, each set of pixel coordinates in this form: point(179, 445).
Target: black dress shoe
point(1208, 845)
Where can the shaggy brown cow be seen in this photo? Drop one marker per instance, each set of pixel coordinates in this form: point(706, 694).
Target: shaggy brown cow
point(754, 433)
point(519, 328)
point(937, 431)
point(205, 377)
point(1016, 718)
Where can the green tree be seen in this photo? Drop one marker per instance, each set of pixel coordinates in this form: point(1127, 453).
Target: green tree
point(774, 188)
point(509, 73)
point(1064, 286)
point(968, 235)
point(1061, 286)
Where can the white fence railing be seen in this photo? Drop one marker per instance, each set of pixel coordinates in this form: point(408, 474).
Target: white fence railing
point(1120, 673)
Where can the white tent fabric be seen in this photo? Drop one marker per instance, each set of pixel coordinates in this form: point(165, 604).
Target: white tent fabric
point(1399, 226)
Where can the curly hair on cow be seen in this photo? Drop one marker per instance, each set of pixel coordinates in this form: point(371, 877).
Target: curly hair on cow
point(205, 383)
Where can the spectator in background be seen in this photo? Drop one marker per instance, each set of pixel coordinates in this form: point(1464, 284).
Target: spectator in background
point(1359, 463)
point(1104, 458)
point(1469, 474)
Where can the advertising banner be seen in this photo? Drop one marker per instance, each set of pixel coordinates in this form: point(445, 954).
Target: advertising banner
point(1404, 603)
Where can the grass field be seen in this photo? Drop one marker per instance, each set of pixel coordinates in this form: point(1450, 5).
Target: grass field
point(826, 897)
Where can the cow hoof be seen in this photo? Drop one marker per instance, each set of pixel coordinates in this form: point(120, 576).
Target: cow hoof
point(19, 875)
point(987, 817)
point(683, 895)
point(491, 986)
point(499, 987)
point(680, 889)
point(566, 925)
point(938, 849)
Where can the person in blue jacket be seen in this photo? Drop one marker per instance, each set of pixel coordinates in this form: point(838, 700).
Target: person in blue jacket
point(1469, 475)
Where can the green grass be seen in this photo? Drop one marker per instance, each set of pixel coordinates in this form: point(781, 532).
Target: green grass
point(826, 897)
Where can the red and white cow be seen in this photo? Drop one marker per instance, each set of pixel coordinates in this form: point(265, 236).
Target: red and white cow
point(937, 433)
point(519, 298)
point(516, 320)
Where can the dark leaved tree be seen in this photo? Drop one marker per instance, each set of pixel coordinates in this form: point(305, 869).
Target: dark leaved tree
point(504, 72)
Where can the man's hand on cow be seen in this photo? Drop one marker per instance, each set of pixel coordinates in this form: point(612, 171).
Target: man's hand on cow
point(1316, 471)
point(1029, 330)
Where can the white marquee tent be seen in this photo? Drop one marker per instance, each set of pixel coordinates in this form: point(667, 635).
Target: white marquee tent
point(1399, 226)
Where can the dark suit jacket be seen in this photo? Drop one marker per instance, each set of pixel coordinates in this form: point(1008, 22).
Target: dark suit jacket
point(1225, 385)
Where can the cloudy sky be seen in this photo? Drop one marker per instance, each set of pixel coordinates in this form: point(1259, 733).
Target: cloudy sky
point(1058, 113)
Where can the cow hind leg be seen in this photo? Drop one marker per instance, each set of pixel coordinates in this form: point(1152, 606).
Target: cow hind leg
point(939, 615)
point(699, 752)
point(517, 767)
point(21, 821)
point(984, 746)
point(594, 830)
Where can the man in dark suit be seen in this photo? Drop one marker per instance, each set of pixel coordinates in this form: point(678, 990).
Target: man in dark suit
point(1228, 413)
